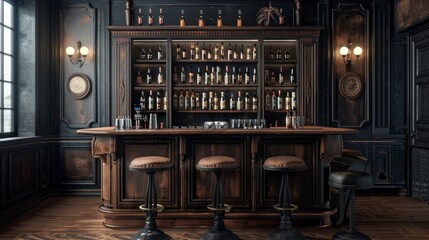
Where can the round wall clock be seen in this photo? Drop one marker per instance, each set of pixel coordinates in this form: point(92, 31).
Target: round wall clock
point(78, 85)
point(350, 85)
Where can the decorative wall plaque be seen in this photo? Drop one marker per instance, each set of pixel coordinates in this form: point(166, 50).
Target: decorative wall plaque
point(78, 85)
point(350, 85)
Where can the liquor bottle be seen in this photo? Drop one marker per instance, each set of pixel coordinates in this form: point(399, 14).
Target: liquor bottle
point(165, 102)
point(273, 101)
point(149, 54)
point(178, 52)
point(239, 102)
point(212, 76)
point(218, 75)
point(160, 18)
point(242, 52)
point(160, 76)
point(292, 76)
point(160, 53)
point(271, 54)
point(142, 101)
point(142, 54)
point(209, 53)
point(192, 51)
point(235, 53)
point(281, 17)
point(254, 76)
point(151, 101)
point(222, 51)
point(232, 102)
point(222, 101)
point(184, 53)
point(279, 54)
point(239, 76)
point(181, 100)
point(199, 77)
point(158, 100)
point(150, 18)
point(239, 19)
point(287, 101)
point(281, 76)
point(248, 52)
point(233, 76)
point(204, 52)
point(207, 76)
point(175, 101)
point(175, 76)
point(287, 54)
point(226, 77)
point(255, 101)
point(205, 102)
point(148, 77)
point(215, 102)
point(140, 17)
point(293, 101)
point(247, 102)
point(183, 75)
point(139, 79)
point(229, 53)
point(193, 101)
point(268, 101)
point(182, 22)
point(187, 101)
point(280, 101)
point(210, 100)
point(247, 76)
point(288, 120)
point(191, 75)
point(197, 101)
point(254, 52)
point(273, 77)
point(201, 19)
point(216, 52)
point(197, 52)
point(219, 19)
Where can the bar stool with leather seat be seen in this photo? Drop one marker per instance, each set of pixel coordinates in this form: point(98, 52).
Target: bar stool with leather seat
point(151, 165)
point(285, 165)
point(218, 165)
point(350, 180)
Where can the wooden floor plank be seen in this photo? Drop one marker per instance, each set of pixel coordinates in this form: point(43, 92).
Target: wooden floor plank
point(391, 218)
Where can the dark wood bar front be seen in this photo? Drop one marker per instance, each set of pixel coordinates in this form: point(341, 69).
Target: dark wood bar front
point(185, 192)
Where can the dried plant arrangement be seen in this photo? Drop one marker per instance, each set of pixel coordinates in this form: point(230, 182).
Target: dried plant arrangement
point(266, 13)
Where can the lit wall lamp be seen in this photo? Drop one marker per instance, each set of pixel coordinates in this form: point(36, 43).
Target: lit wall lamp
point(82, 51)
point(345, 52)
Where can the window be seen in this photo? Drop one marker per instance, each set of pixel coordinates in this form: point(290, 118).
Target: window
point(7, 110)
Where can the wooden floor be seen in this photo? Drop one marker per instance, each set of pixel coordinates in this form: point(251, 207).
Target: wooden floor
point(392, 217)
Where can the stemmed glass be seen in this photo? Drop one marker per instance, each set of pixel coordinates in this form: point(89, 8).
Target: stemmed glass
point(137, 116)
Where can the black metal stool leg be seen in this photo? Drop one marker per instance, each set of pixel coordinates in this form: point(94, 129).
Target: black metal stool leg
point(285, 230)
point(352, 233)
point(151, 208)
point(218, 230)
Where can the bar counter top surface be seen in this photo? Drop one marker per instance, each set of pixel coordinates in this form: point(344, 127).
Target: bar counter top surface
point(307, 130)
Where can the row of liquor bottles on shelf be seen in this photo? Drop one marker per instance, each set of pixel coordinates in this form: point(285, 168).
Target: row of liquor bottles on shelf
point(218, 53)
point(192, 100)
point(201, 22)
point(214, 75)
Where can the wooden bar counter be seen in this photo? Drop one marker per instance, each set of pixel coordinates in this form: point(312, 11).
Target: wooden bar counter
point(185, 192)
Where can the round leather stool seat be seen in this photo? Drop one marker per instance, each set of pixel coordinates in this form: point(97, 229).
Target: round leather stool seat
point(284, 164)
point(151, 163)
point(351, 180)
point(217, 163)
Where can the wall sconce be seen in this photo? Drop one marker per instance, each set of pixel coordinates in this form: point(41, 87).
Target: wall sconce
point(82, 51)
point(345, 52)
